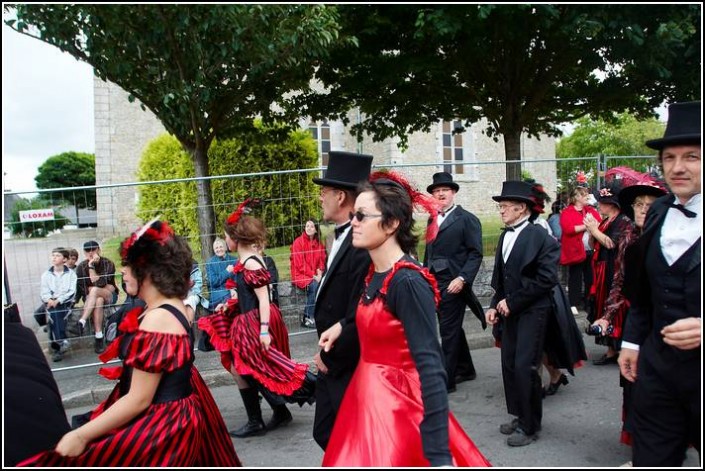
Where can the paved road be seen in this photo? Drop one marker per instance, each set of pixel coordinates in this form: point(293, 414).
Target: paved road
point(580, 427)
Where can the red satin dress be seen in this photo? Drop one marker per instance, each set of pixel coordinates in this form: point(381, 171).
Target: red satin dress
point(379, 418)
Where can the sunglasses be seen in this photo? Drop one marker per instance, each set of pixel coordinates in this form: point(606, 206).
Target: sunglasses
point(360, 216)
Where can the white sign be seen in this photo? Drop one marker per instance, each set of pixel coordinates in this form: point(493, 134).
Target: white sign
point(36, 215)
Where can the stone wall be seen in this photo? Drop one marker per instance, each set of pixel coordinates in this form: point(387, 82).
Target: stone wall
point(123, 130)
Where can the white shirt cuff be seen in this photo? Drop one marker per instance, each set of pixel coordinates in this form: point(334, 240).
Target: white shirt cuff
point(630, 346)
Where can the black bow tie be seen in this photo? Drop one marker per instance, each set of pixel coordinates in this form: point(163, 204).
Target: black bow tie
point(341, 229)
point(443, 213)
point(688, 213)
point(513, 228)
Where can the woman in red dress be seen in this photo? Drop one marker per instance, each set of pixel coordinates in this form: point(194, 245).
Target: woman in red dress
point(384, 419)
point(251, 336)
point(161, 412)
point(308, 260)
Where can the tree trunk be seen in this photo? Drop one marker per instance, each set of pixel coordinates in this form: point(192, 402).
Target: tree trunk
point(512, 150)
point(206, 215)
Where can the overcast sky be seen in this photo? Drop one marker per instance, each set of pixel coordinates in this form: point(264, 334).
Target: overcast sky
point(47, 107)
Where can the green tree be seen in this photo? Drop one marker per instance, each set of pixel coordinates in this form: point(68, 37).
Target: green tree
point(266, 149)
point(35, 229)
point(624, 135)
point(69, 169)
point(525, 68)
point(205, 71)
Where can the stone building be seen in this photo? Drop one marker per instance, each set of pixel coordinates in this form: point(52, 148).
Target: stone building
point(123, 129)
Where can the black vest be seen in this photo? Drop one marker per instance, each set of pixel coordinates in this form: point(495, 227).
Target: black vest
point(668, 290)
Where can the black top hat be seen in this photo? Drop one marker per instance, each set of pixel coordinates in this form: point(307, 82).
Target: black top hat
point(683, 126)
point(609, 194)
point(516, 191)
point(630, 193)
point(90, 245)
point(442, 179)
point(345, 170)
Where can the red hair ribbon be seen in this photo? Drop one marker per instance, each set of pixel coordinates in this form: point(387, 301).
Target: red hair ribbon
point(427, 203)
point(244, 207)
point(155, 230)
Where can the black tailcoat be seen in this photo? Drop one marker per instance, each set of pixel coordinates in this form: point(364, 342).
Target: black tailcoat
point(666, 413)
point(337, 300)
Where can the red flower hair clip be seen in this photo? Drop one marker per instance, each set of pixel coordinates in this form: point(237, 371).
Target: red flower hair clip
point(245, 207)
point(153, 231)
point(427, 203)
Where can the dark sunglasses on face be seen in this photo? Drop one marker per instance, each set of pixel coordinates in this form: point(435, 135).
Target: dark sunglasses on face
point(360, 216)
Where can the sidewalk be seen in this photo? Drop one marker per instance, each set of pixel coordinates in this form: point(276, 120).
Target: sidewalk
point(80, 385)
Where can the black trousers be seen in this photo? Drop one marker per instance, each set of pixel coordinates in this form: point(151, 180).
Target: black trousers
point(329, 395)
point(666, 413)
point(522, 349)
point(580, 282)
point(456, 352)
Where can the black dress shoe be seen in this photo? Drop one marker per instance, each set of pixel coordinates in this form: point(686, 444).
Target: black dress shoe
point(521, 438)
point(605, 360)
point(251, 429)
point(462, 378)
point(553, 387)
point(509, 427)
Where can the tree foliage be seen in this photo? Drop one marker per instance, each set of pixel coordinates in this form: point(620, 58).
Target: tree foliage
point(619, 140)
point(625, 135)
point(266, 149)
point(525, 68)
point(69, 169)
point(35, 228)
point(205, 71)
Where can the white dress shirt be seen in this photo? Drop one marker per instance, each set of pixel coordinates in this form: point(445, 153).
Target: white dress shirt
point(510, 238)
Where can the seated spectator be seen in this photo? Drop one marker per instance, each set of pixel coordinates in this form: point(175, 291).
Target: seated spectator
point(73, 258)
point(193, 299)
point(308, 260)
point(33, 414)
point(112, 324)
point(96, 286)
point(40, 314)
point(217, 274)
point(58, 288)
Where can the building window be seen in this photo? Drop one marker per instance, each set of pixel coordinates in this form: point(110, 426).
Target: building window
point(453, 150)
point(321, 134)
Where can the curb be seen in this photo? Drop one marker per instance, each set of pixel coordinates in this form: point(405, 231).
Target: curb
point(217, 378)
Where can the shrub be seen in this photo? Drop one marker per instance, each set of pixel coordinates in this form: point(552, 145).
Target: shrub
point(267, 149)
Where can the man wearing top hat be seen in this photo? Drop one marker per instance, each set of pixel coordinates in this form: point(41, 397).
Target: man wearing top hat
point(340, 288)
point(454, 258)
point(661, 344)
point(525, 273)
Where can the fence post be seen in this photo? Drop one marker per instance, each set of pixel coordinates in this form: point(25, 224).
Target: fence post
point(601, 169)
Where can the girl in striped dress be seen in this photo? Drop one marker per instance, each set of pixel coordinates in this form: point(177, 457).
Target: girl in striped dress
point(161, 412)
point(251, 336)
